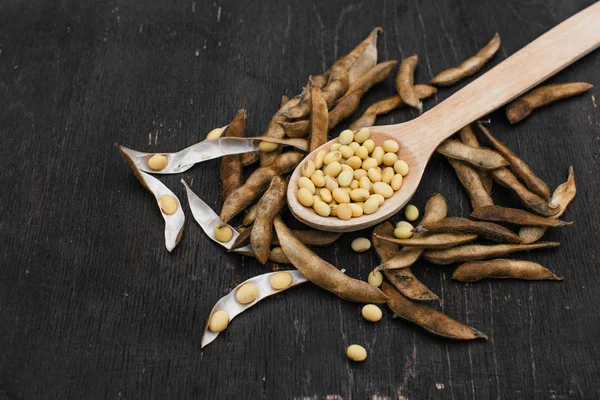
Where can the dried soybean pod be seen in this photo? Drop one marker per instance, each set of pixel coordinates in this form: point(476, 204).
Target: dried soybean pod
point(319, 119)
point(403, 279)
point(312, 237)
point(544, 95)
point(475, 252)
point(428, 318)
point(505, 178)
point(268, 207)
point(435, 241)
point(372, 77)
point(436, 209)
point(405, 82)
point(471, 65)
point(278, 257)
point(276, 130)
point(468, 137)
point(296, 129)
point(386, 105)
point(515, 216)
point(243, 239)
point(337, 85)
point(323, 274)
point(362, 58)
point(562, 196)
point(487, 230)
point(231, 166)
point(480, 158)
point(250, 158)
point(471, 181)
point(250, 216)
point(257, 183)
point(503, 269)
point(343, 109)
point(518, 166)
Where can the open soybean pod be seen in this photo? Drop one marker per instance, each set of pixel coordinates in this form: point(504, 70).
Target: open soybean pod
point(429, 319)
point(403, 279)
point(323, 274)
point(362, 58)
point(562, 196)
point(503, 269)
point(267, 286)
point(168, 204)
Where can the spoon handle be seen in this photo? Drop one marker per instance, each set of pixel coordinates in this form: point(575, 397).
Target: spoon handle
point(534, 63)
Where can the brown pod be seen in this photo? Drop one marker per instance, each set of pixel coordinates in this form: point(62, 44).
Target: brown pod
point(278, 257)
point(257, 183)
point(405, 82)
point(523, 106)
point(505, 178)
point(362, 58)
point(386, 105)
point(323, 274)
point(372, 77)
point(518, 166)
point(243, 238)
point(480, 158)
point(470, 66)
point(346, 107)
point(434, 241)
point(319, 120)
point(231, 166)
point(468, 137)
point(276, 130)
point(487, 230)
point(562, 196)
point(471, 181)
point(268, 207)
point(250, 158)
point(503, 269)
point(312, 237)
point(426, 317)
point(296, 129)
point(250, 216)
point(436, 209)
point(403, 279)
point(337, 85)
point(515, 216)
point(475, 252)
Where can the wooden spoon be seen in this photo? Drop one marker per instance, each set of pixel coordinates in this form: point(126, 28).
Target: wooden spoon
point(418, 138)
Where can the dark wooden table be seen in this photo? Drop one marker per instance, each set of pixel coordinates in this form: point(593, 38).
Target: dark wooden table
point(93, 306)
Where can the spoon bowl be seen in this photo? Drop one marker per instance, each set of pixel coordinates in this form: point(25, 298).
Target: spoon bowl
point(418, 138)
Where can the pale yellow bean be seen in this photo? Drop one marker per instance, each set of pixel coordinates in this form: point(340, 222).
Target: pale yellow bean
point(378, 154)
point(356, 353)
point(157, 162)
point(322, 208)
point(335, 147)
point(281, 280)
point(401, 167)
point(320, 158)
point(354, 162)
point(267, 147)
point(223, 234)
point(371, 205)
point(380, 198)
point(333, 169)
point(369, 144)
point(387, 175)
point(340, 196)
point(359, 174)
point(345, 178)
point(389, 159)
point(371, 313)
point(304, 182)
point(362, 153)
point(359, 194)
point(326, 195)
point(318, 179)
point(305, 197)
point(374, 175)
point(346, 137)
point(354, 184)
point(405, 224)
point(391, 146)
point(344, 212)
point(346, 189)
point(375, 278)
point(411, 212)
point(168, 204)
point(246, 293)
point(403, 232)
point(215, 134)
point(316, 198)
point(383, 189)
point(333, 208)
point(362, 135)
point(357, 208)
point(369, 163)
point(365, 183)
point(360, 245)
point(396, 182)
point(346, 151)
point(308, 168)
point(332, 156)
point(354, 146)
point(331, 183)
point(218, 321)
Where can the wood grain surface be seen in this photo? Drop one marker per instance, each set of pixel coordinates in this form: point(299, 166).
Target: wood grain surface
point(93, 306)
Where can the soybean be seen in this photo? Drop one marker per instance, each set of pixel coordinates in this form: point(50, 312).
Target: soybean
point(218, 321)
point(371, 313)
point(411, 212)
point(356, 353)
point(280, 280)
point(247, 293)
point(375, 278)
point(168, 204)
point(223, 233)
point(157, 162)
point(503, 269)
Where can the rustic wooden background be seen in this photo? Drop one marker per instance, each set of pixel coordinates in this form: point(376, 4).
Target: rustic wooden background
point(93, 306)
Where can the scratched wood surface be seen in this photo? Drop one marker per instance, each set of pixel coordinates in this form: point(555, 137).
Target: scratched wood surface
point(93, 306)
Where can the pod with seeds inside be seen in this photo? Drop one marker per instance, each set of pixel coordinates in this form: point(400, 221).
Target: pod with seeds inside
point(467, 136)
point(268, 207)
point(428, 318)
point(480, 158)
point(434, 241)
point(503, 269)
point(405, 82)
point(375, 75)
point(515, 216)
point(312, 237)
point(505, 178)
point(319, 119)
point(487, 230)
point(475, 252)
point(264, 283)
point(470, 179)
point(231, 166)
